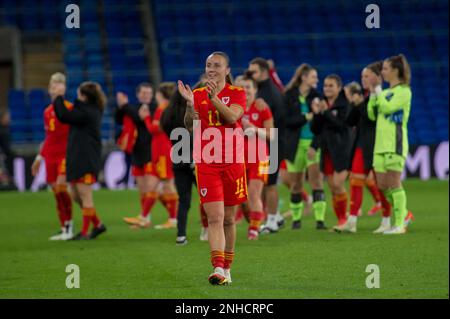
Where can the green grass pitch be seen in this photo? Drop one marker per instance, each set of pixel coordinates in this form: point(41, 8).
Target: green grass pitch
point(125, 263)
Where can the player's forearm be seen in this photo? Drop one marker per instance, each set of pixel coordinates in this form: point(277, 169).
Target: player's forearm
point(189, 117)
point(149, 124)
point(226, 113)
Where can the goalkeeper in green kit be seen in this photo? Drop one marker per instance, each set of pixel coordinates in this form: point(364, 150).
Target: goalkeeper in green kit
point(390, 108)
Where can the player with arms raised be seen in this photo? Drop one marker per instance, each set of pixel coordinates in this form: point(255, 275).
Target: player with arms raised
point(53, 151)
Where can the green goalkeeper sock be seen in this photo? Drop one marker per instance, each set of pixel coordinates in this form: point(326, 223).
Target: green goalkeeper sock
point(296, 206)
point(319, 205)
point(319, 209)
point(399, 206)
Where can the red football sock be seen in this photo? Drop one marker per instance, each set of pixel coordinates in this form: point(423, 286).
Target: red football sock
point(385, 203)
point(203, 217)
point(356, 195)
point(373, 188)
point(340, 207)
point(59, 207)
point(170, 202)
point(217, 258)
point(142, 201)
point(149, 201)
point(95, 219)
point(87, 217)
point(66, 202)
point(256, 219)
point(229, 256)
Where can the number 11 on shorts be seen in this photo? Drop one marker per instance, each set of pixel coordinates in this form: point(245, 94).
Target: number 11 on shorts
point(240, 186)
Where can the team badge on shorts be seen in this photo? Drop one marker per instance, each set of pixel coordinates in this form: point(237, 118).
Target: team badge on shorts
point(203, 191)
point(226, 100)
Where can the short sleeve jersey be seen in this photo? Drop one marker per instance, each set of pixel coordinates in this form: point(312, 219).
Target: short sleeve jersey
point(217, 135)
point(56, 135)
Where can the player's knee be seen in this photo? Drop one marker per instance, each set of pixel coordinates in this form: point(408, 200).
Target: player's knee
point(214, 219)
point(296, 187)
point(229, 221)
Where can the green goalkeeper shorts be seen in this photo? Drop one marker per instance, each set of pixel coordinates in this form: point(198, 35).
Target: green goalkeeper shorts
point(388, 162)
point(301, 161)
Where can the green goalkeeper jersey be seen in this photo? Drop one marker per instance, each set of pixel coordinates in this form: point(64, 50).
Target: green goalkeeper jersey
point(391, 110)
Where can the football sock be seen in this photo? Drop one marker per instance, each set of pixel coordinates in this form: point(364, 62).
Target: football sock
point(88, 212)
point(59, 207)
point(373, 188)
point(319, 205)
point(356, 195)
point(340, 206)
point(217, 258)
point(385, 204)
point(170, 202)
point(398, 196)
point(256, 219)
point(296, 206)
point(149, 201)
point(229, 256)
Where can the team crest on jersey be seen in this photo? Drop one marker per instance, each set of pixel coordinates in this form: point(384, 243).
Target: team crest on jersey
point(203, 191)
point(255, 116)
point(389, 96)
point(334, 112)
point(226, 100)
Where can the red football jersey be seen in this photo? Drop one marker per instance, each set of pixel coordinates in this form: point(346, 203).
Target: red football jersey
point(128, 136)
point(56, 135)
point(161, 144)
point(214, 130)
point(257, 114)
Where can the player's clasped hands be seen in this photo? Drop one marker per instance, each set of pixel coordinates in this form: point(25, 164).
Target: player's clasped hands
point(212, 89)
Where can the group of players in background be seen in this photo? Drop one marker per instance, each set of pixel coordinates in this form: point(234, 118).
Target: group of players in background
point(354, 131)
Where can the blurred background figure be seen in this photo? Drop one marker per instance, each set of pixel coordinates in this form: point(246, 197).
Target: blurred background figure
point(6, 153)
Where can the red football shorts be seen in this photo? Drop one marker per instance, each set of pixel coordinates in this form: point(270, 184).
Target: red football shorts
point(146, 169)
point(358, 162)
point(162, 167)
point(257, 171)
point(221, 183)
point(54, 169)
